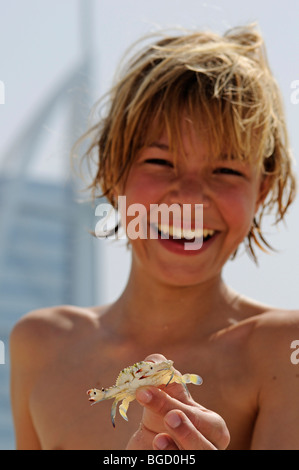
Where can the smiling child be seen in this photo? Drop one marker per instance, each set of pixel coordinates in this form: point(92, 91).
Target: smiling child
point(194, 119)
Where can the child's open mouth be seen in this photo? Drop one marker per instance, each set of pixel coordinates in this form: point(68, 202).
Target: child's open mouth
point(186, 239)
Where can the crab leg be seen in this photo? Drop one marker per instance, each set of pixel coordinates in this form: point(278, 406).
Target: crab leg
point(192, 379)
point(124, 407)
point(113, 412)
point(186, 379)
point(170, 379)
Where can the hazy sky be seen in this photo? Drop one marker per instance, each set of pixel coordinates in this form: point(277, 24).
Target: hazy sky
point(40, 40)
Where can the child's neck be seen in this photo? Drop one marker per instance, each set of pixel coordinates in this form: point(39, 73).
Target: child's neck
point(148, 310)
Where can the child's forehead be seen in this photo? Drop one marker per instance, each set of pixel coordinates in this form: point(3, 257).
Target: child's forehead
point(189, 134)
point(168, 135)
point(187, 139)
point(186, 146)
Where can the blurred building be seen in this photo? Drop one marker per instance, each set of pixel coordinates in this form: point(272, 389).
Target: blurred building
point(46, 250)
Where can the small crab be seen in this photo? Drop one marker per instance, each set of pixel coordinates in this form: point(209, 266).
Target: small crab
point(133, 377)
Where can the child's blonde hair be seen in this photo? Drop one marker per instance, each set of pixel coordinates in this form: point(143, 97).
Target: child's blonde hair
point(224, 85)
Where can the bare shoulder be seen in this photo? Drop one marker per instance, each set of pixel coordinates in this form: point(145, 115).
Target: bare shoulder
point(38, 343)
point(277, 327)
point(275, 334)
point(44, 331)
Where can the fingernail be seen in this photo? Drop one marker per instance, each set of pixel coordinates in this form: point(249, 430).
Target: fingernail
point(144, 395)
point(161, 442)
point(173, 419)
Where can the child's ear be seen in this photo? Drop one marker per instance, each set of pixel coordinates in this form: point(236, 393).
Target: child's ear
point(265, 186)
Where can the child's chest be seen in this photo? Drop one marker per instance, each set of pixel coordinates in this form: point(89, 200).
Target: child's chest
point(65, 419)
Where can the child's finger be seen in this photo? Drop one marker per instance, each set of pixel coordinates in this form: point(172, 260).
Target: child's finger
point(155, 358)
point(184, 433)
point(157, 404)
point(210, 427)
point(164, 442)
point(156, 401)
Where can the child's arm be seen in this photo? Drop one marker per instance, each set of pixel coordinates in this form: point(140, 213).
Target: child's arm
point(22, 371)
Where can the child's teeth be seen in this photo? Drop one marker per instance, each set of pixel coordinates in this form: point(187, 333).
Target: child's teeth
point(207, 232)
point(189, 234)
point(165, 230)
point(178, 233)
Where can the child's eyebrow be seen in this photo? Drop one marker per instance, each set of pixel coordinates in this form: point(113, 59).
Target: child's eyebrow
point(224, 157)
point(159, 145)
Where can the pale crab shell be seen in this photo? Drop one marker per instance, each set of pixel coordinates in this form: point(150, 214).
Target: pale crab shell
point(138, 375)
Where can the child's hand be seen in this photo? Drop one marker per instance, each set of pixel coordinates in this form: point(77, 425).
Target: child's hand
point(174, 421)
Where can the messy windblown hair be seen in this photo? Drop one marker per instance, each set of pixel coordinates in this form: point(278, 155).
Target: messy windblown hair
point(225, 87)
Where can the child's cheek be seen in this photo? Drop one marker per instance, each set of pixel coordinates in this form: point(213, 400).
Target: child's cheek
point(139, 194)
point(237, 209)
point(145, 190)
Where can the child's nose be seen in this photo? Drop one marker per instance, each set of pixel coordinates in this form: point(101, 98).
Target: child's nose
point(191, 190)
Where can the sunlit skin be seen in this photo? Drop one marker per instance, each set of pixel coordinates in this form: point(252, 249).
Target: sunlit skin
point(230, 192)
point(174, 306)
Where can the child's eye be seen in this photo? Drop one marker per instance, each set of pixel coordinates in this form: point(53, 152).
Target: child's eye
point(227, 171)
point(159, 161)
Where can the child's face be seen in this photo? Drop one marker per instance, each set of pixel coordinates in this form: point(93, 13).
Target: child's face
point(230, 192)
